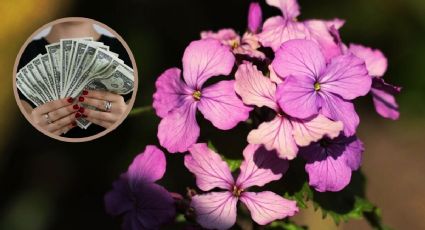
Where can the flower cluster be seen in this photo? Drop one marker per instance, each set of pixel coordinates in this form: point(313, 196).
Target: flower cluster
point(306, 80)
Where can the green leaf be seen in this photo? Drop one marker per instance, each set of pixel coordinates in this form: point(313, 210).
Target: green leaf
point(234, 164)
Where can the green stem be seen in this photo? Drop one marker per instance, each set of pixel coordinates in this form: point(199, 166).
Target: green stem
point(140, 110)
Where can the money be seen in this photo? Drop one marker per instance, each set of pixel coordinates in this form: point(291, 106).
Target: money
point(69, 67)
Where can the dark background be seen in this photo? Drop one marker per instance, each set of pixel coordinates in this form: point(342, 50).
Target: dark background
point(48, 184)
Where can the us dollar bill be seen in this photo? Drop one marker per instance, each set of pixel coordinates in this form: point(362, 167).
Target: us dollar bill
point(65, 51)
point(53, 51)
point(42, 73)
point(120, 81)
point(32, 72)
point(26, 91)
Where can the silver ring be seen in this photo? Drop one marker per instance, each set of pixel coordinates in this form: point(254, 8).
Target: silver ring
point(47, 117)
point(108, 106)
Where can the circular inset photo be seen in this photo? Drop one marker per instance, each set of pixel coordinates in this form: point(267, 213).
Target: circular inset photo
point(75, 79)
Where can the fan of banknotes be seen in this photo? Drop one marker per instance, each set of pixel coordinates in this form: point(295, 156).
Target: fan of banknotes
point(69, 67)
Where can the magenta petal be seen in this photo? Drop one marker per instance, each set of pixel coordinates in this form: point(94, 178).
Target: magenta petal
point(339, 109)
point(353, 152)
point(254, 88)
point(376, 62)
point(170, 93)
point(210, 170)
point(265, 207)
point(220, 105)
point(320, 32)
point(260, 167)
point(255, 17)
point(277, 30)
point(275, 135)
point(118, 201)
point(384, 100)
point(315, 129)
point(206, 58)
point(148, 166)
point(346, 76)
point(297, 97)
point(299, 58)
point(290, 8)
point(179, 129)
point(215, 210)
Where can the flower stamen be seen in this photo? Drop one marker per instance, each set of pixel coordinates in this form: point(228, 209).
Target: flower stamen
point(317, 86)
point(237, 191)
point(197, 95)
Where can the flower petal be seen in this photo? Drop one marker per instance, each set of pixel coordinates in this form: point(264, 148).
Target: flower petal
point(275, 135)
point(320, 32)
point(210, 170)
point(315, 129)
point(179, 129)
point(277, 30)
point(203, 59)
point(290, 8)
point(384, 100)
point(215, 210)
point(118, 200)
point(255, 17)
point(338, 109)
point(299, 58)
point(148, 166)
point(225, 36)
point(297, 97)
point(260, 167)
point(375, 60)
point(347, 77)
point(273, 76)
point(220, 105)
point(265, 207)
point(254, 88)
point(170, 93)
point(353, 151)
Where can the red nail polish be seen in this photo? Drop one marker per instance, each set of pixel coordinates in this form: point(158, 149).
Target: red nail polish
point(77, 115)
point(81, 110)
point(81, 99)
point(70, 100)
point(85, 92)
point(76, 107)
point(74, 123)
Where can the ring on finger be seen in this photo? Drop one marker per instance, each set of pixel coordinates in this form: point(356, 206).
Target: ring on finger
point(47, 117)
point(108, 106)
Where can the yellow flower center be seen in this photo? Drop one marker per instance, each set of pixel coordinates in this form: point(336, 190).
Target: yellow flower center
point(237, 191)
point(317, 86)
point(197, 95)
point(234, 43)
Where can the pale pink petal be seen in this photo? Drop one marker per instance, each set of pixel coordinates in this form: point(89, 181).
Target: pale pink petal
point(226, 36)
point(376, 62)
point(320, 32)
point(179, 129)
point(277, 30)
point(171, 92)
point(338, 109)
point(255, 17)
point(210, 170)
point(215, 210)
point(260, 167)
point(265, 207)
point(220, 105)
point(275, 135)
point(273, 76)
point(206, 58)
point(254, 88)
point(347, 77)
point(385, 104)
point(290, 8)
point(315, 129)
point(336, 22)
point(297, 97)
point(148, 166)
point(299, 58)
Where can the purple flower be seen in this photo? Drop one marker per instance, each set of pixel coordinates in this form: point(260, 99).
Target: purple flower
point(217, 210)
point(144, 204)
point(176, 101)
point(382, 93)
point(255, 17)
point(330, 162)
point(313, 86)
point(284, 133)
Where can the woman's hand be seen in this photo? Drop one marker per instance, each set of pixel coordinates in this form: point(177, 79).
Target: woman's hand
point(56, 117)
point(111, 107)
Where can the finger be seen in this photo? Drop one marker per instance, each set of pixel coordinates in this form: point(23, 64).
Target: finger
point(102, 95)
point(53, 105)
point(104, 124)
point(99, 115)
point(61, 122)
point(62, 112)
point(100, 104)
point(65, 129)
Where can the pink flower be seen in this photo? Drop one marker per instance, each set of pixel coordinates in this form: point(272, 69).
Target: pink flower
point(136, 196)
point(217, 210)
point(176, 101)
point(312, 86)
point(255, 17)
point(284, 133)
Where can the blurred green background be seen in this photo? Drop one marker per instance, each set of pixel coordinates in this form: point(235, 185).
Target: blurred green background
point(47, 184)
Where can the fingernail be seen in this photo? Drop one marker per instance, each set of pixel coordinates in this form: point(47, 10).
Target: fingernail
point(77, 115)
point(81, 99)
point(70, 100)
point(81, 110)
point(85, 92)
point(76, 107)
point(74, 123)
